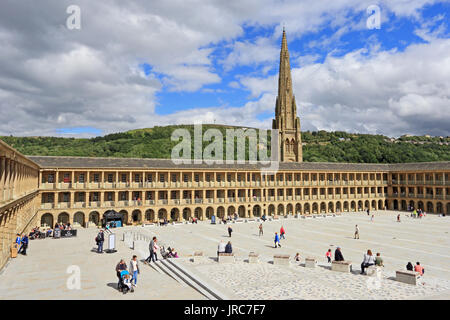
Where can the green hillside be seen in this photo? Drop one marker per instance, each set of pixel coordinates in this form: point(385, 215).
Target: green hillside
point(318, 146)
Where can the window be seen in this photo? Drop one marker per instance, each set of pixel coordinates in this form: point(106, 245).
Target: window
point(110, 177)
point(197, 178)
point(218, 178)
point(229, 177)
point(96, 177)
point(174, 178)
point(208, 178)
point(161, 178)
point(51, 178)
point(66, 178)
point(150, 178)
point(137, 177)
point(124, 177)
point(185, 178)
point(109, 196)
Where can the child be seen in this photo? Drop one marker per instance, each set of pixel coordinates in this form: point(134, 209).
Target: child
point(328, 255)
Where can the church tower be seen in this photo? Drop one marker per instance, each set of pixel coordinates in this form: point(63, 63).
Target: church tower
point(286, 120)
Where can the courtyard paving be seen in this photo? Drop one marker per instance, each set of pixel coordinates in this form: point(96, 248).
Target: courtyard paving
point(42, 274)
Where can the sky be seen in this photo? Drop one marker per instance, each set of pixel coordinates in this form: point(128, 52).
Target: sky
point(137, 64)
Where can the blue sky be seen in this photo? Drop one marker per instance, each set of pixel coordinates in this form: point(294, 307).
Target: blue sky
point(145, 64)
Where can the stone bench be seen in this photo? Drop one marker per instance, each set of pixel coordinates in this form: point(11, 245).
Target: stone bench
point(250, 220)
point(226, 257)
point(409, 277)
point(148, 224)
point(308, 216)
point(374, 271)
point(310, 262)
point(198, 256)
point(341, 266)
point(177, 222)
point(239, 221)
point(281, 259)
point(253, 257)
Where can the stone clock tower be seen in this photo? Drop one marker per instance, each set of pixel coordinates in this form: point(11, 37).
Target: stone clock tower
point(286, 120)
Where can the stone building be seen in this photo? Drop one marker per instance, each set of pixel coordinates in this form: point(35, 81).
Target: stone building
point(39, 190)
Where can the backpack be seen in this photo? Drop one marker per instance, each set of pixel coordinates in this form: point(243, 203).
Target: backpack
point(96, 239)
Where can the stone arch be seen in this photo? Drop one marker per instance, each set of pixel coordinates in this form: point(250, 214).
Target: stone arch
point(395, 204)
point(420, 205)
point(338, 206)
point(374, 205)
point(307, 208)
point(256, 211)
point(174, 214)
point(353, 206)
point(78, 218)
point(367, 204)
point(430, 207)
point(198, 213)
point(412, 204)
point(63, 217)
point(287, 144)
point(209, 212)
point(271, 210)
point(231, 211)
point(136, 215)
point(162, 213)
point(125, 216)
point(241, 211)
point(186, 213)
point(298, 208)
point(47, 219)
point(149, 215)
point(289, 209)
point(403, 205)
point(280, 210)
point(330, 207)
point(323, 207)
point(360, 205)
point(221, 212)
point(94, 217)
point(439, 208)
point(380, 204)
point(315, 208)
point(345, 207)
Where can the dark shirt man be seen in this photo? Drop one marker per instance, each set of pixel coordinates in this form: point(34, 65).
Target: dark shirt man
point(338, 255)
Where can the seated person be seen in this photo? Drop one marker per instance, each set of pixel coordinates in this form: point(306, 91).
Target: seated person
point(221, 247)
point(228, 248)
point(379, 260)
point(172, 253)
point(409, 266)
point(338, 255)
point(263, 218)
point(297, 257)
point(419, 268)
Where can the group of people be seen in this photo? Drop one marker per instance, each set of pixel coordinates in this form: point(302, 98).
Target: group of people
point(127, 277)
point(278, 238)
point(417, 268)
point(419, 213)
point(22, 243)
point(224, 248)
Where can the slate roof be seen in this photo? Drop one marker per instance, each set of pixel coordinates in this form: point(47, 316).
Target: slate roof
point(53, 162)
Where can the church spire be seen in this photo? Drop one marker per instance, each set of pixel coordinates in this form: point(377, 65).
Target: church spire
point(286, 120)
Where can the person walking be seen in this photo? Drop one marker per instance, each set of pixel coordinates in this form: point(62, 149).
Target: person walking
point(356, 231)
point(282, 233)
point(119, 268)
point(151, 248)
point(134, 269)
point(328, 255)
point(100, 239)
point(261, 232)
point(277, 240)
point(338, 255)
point(24, 246)
point(230, 231)
point(398, 217)
point(371, 219)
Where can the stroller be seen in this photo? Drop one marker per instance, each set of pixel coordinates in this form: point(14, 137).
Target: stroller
point(125, 282)
point(164, 253)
